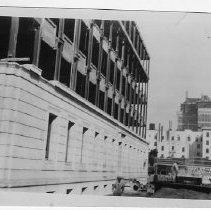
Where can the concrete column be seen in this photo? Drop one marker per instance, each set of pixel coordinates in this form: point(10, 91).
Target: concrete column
point(37, 43)
point(13, 36)
point(73, 77)
point(98, 72)
point(59, 49)
point(108, 68)
point(89, 57)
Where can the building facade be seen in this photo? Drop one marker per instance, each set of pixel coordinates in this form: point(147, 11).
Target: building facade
point(194, 114)
point(73, 106)
point(182, 144)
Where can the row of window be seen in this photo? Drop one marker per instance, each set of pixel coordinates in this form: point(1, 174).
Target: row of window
point(55, 67)
point(50, 132)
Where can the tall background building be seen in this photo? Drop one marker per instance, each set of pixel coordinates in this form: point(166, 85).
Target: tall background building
point(194, 114)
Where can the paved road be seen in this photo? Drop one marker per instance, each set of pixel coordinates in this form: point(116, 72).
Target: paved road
point(170, 193)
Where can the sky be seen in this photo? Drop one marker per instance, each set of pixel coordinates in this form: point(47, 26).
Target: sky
point(179, 45)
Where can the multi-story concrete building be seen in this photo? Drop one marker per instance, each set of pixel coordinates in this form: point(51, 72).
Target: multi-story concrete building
point(194, 114)
point(69, 92)
point(185, 144)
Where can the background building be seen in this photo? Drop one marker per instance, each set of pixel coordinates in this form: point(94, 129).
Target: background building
point(69, 89)
point(194, 114)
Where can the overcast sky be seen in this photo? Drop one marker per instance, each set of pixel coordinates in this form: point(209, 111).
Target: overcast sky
point(180, 48)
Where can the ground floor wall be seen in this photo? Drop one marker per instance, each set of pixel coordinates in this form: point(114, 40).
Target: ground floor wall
point(52, 140)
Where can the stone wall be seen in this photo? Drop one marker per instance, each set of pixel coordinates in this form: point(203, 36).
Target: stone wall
point(86, 146)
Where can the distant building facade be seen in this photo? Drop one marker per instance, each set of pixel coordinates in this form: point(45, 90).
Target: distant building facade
point(181, 144)
point(194, 114)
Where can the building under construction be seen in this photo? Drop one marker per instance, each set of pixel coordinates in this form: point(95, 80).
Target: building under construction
point(73, 104)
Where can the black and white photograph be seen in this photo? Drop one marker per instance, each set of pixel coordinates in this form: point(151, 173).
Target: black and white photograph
point(105, 103)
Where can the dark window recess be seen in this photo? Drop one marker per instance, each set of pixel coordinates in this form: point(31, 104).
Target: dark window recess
point(122, 115)
point(128, 91)
point(104, 63)
point(125, 55)
point(69, 27)
point(111, 71)
point(84, 39)
point(56, 22)
point(95, 52)
point(92, 90)
point(106, 28)
point(126, 121)
point(127, 26)
point(80, 84)
point(132, 95)
point(114, 36)
point(130, 120)
point(65, 72)
point(70, 125)
point(130, 64)
point(47, 61)
point(25, 39)
point(116, 111)
point(101, 101)
point(123, 85)
point(51, 118)
point(131, 32)
point(118, 79)
point(98, 22)
point(68, 191)
point(109, 106)
point(5, 24)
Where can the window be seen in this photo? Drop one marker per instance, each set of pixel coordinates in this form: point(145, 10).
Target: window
point(101, 100)
point(70, 125)
point(162, 148)
point(95, 52)
point(83, 134)
point(207, 134)
point(65, 72)
point(104, 63)
point(69, 26)
point(51, 120)
point(207, 157)
point(172, 148)
point(172, 138)
point(84, 39)
point(198, 146)
point(207, 150)
point(25, 39)
point(47, 61)
point(92, 92)
point(162, 156)
point(178, 138)
point(109, 106)
point(183, 149)
point(198, 153)
point(5, 24)
point(188, 138)
point(80, 85)
point(118, 80)
point(207, 142)
point(155, 143)
point(111, 72)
